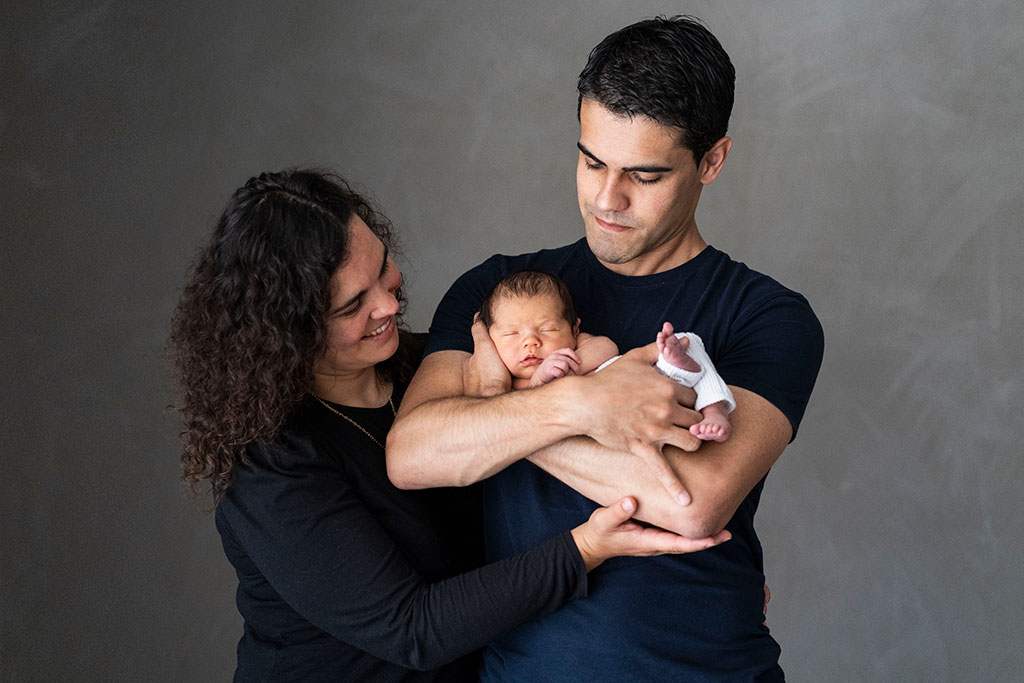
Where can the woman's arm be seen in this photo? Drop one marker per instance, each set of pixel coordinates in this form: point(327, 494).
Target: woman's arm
point(316, 543)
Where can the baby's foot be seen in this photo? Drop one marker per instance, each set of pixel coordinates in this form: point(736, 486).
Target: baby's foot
point(708, 430)
point(672, 349)
point(715, 425)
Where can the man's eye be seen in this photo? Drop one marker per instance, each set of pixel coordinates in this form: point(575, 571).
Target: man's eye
point(592, 165)
point(646, 181)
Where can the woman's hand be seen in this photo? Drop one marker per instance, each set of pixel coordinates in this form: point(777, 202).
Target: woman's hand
point(484, 373)
point(610, 533)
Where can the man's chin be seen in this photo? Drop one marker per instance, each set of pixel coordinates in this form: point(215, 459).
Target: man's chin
point(608, 249)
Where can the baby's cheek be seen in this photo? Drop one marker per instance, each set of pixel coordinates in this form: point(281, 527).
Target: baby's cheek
point(525, 372)
point(508, 358)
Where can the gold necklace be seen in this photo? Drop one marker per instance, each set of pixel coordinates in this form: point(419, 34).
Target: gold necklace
point(358, 426)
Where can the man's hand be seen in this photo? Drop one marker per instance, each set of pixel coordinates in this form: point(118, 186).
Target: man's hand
point(632, 407)
point(558, 364)
point(484, 373)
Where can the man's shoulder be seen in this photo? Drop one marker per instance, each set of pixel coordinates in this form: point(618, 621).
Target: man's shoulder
point(747, 285)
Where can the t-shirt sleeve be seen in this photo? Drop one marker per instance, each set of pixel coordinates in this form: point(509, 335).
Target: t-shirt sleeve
point(450, 328)
point(313, 539)
point(774, 349)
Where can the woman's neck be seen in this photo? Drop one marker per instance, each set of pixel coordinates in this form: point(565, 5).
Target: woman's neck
point(359, 390)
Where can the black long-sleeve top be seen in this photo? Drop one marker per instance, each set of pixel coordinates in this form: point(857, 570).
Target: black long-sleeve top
point(342, 576)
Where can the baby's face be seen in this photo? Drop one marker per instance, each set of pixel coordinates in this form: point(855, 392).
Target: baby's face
point(525, 330)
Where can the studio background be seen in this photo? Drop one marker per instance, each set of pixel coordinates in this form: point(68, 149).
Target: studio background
point(876, 169)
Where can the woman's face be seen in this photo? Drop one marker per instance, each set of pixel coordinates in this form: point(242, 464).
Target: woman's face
point(361, 328)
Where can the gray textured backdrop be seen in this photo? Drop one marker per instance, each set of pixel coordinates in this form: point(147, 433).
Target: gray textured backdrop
point(876, 168)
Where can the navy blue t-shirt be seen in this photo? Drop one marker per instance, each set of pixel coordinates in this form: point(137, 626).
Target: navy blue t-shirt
point(695, 617)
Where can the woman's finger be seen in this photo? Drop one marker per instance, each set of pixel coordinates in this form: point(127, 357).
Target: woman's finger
point(612, 516)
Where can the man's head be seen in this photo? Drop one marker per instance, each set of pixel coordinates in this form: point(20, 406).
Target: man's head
point(672, 70)
point(655, 97)
point(528, 315)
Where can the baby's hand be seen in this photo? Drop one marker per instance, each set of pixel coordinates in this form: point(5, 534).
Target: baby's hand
point(558, 364)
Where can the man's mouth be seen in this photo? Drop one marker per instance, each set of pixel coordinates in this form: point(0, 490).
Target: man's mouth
point(610, 226)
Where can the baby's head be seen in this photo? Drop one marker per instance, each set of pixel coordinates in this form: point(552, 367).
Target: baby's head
point(528, 315)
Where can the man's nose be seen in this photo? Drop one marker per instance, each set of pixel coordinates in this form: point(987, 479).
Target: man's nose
point(610, 196)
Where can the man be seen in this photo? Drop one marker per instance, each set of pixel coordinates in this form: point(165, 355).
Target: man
point(654, 104)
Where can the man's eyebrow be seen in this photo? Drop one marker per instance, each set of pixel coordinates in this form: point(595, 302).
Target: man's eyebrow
point(361, 293)
point(588, 153)
point(628, 169)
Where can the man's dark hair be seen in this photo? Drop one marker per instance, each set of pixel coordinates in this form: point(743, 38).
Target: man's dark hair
point(670, 69)
point(528, 283)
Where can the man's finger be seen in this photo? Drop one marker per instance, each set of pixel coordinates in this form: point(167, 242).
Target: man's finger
point(479, 331)
point(648, 353)
point(683, 439)
point(665, 474)
point(687, 397)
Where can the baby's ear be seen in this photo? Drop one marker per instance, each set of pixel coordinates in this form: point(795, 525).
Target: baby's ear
point(576, 328)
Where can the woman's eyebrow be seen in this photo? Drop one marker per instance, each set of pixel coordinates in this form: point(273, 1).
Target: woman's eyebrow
point(361, 293)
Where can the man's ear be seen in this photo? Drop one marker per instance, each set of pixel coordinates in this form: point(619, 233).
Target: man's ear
point(714, 159)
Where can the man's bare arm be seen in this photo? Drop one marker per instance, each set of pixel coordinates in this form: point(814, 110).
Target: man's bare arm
point(718, 476)
point(444, 438)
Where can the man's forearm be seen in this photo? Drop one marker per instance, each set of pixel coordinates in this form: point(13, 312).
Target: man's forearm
point(444, 438)
point(459, 440)
point(718, 475)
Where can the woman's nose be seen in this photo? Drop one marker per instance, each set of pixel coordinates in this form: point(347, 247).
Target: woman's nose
point(386, 305)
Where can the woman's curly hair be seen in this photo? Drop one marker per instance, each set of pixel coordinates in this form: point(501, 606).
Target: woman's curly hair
point(251, 320)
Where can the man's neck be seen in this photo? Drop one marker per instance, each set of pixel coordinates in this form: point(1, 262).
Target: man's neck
point(670, 255)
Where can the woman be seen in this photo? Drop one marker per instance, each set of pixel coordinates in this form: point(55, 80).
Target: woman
point(291, 361)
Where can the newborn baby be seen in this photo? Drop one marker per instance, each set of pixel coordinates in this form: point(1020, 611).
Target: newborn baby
point(532, 321)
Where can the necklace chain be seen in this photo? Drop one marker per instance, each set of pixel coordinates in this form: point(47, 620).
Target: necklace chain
point(358, 426)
